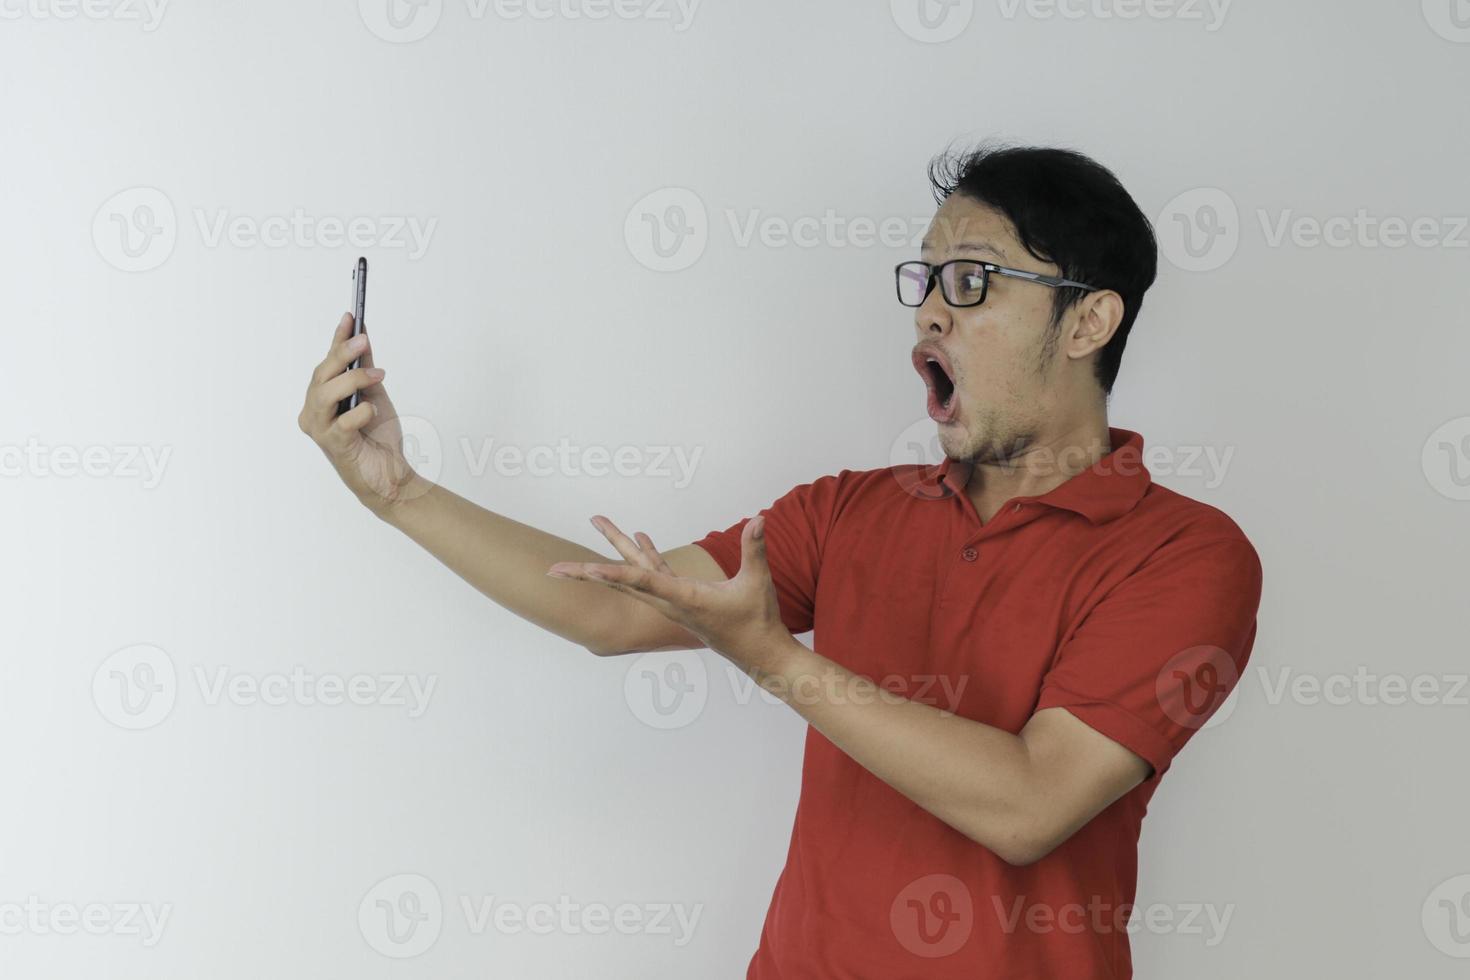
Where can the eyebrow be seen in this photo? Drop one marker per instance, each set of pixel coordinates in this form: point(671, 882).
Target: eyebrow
point(976, 246)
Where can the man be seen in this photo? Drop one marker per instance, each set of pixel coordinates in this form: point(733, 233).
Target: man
point(1009, 648)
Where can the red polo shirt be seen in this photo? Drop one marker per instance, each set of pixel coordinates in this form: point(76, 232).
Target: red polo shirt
point(1129, 605)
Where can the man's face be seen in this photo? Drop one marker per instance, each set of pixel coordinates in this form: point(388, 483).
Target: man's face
point(1000, 355)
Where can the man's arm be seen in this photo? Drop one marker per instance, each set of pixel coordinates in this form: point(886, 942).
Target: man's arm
point(1018, 795)
point(502, 558)
point(507, 562)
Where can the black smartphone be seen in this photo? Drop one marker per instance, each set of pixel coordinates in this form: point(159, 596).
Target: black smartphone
point(359, 305)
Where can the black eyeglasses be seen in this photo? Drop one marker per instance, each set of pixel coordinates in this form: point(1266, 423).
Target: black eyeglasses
point(962, 282)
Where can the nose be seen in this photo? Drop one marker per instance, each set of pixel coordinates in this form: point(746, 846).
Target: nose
point(933, 317)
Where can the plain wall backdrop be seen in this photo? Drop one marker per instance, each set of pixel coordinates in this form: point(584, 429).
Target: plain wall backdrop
point(608, 239)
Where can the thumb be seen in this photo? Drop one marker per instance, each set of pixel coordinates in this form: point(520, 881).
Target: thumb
point(753, 547)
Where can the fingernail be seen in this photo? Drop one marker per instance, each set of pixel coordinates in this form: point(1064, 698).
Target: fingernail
point(375, 372)
point(358, 342)
point(760, 528)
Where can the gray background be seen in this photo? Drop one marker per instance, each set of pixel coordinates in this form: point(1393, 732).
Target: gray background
point(1330, 829)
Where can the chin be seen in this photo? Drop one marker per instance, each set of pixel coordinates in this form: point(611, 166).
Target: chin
point(955, 440)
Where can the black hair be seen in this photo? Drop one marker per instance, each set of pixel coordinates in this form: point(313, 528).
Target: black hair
point(1067, 209)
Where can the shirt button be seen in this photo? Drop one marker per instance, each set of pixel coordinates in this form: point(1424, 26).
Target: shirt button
point(969, 554)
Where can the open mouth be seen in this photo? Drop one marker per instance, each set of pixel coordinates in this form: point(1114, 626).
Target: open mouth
point(939, 379)
point(943, 384)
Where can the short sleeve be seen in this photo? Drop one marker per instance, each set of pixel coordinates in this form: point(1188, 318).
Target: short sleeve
point(1159, 654)
point(796, 530)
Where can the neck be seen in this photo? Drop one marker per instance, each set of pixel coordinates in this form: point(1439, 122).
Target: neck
point(1049, 461)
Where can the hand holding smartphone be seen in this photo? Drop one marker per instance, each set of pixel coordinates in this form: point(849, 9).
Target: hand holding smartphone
point(359, 304)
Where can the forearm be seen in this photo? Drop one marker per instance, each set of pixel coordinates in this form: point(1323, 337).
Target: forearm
point(978, 779)
point(507, 562)
point(1020, 795)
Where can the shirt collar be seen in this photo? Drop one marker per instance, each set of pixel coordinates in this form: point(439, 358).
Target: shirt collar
point(1109, 488)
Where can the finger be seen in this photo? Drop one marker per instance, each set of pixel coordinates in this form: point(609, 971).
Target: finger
point(589, 572)
point(340, 434)
point(321, 402)
point(667, 610)
point(343, 353)
point(340, 335)
point(669, 588)
point(646, 543)
point(624, 545)
point(331, 392)
point(342, 331)
point(753, 548)
point(377, 394)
